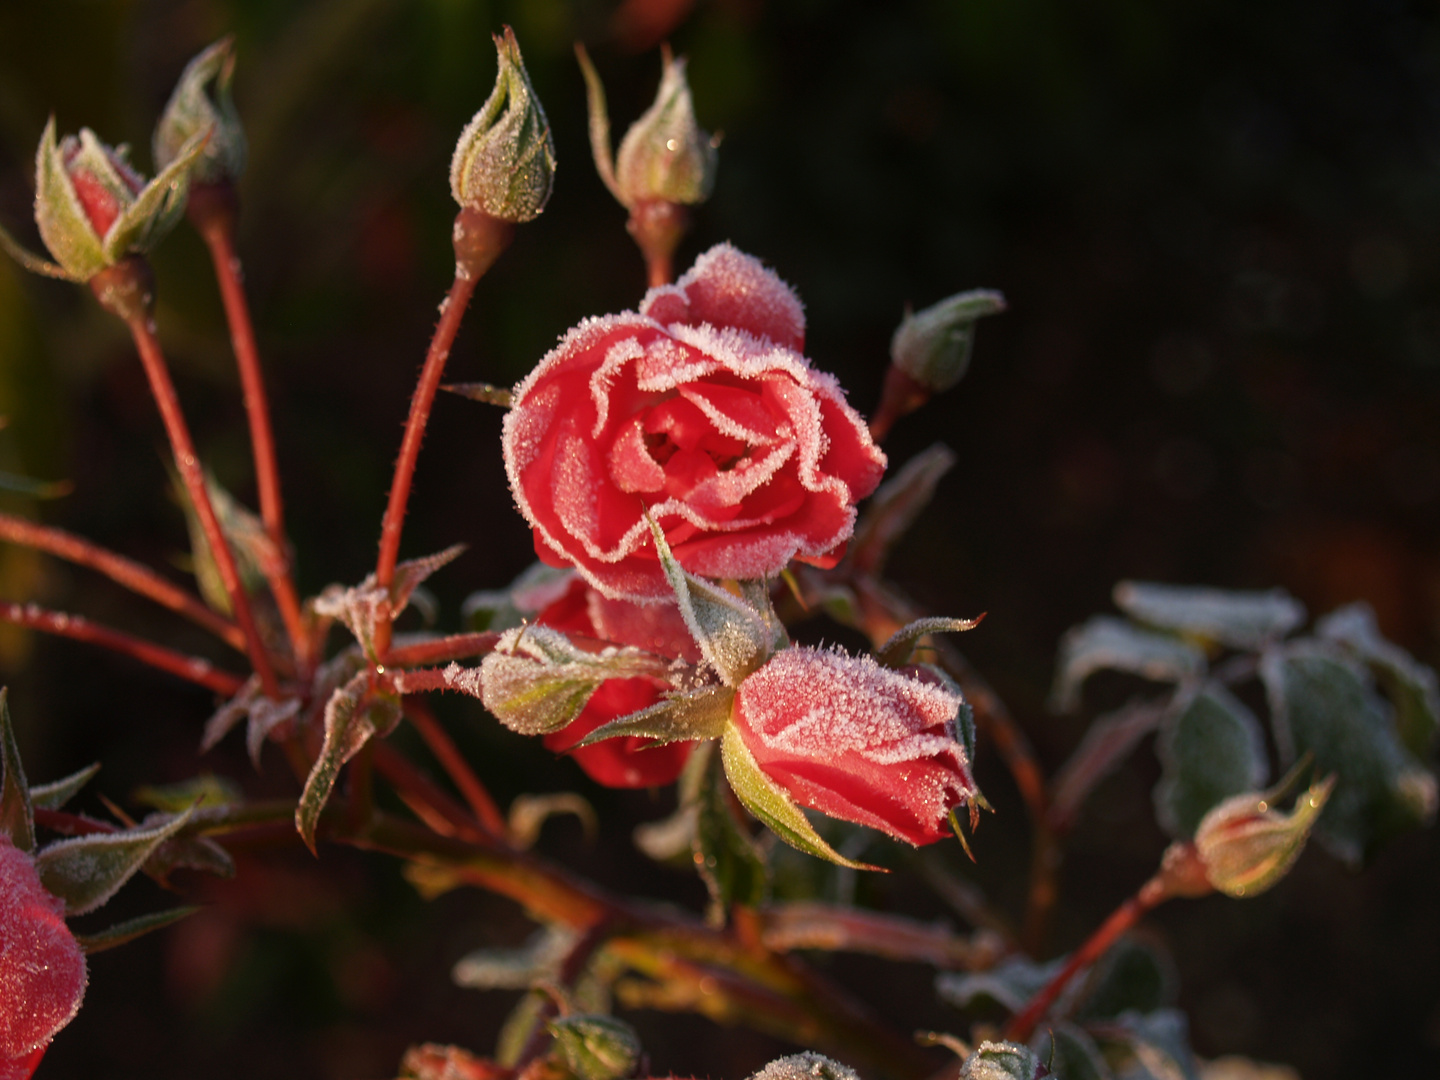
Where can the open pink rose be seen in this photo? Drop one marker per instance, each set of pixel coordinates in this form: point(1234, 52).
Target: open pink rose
point(702, 408)
point(657, 628)
point(42, 970)
point(857, 741)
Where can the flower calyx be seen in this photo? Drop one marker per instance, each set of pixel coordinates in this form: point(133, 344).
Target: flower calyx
point(504, 163)
point(192, 110)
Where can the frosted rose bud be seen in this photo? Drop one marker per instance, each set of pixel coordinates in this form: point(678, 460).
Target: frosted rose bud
point(192, 111)
point(702, 409)
point(628, 762)
point(42, 970)
point(857, 741)
point(1246, 845)
point(933, 346)
point(504, 163)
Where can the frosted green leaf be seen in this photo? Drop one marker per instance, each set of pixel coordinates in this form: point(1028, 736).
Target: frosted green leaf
point(900, 648)
point(895, 506)
point(1132, 975)
point(1211, 747)
point(1239, 619)
point(17, 812)
point(1325, 706)
point(1104, 642)
point(596, 1047)
point(125, 932)
point(353, 716)
point(699, 714)
point(1071, 1054)
point(726, 856)
point(771, 806)
point(85, 871)
point(57, 793)
point(1000, 1061)
point(1160, 1043)
point(1411, 685)
point(1011, 983)
point(516, 969)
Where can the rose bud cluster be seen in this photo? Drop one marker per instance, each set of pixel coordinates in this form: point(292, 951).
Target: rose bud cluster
point(702, 408)
point(42, 970)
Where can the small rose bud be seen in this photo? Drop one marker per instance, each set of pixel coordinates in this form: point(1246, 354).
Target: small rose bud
point(504, 163)
point(665, 156)
point(1001, 1061)
point(597, 1047)
point(933, 346)
point(1247, 846)
point(93, 209)
point(191, 112)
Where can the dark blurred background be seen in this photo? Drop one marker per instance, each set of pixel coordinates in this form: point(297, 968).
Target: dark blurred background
point(1218, 227)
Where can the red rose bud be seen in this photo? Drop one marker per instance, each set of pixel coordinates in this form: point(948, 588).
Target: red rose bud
point(504, 163)
point(42, 970)
point(93, 209)
point(627, 762)
point(1246, 845)
point(701, 408)
point(191, 112)
point(665, 156)
point(856, 741)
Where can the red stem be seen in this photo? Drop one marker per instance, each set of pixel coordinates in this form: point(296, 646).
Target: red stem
point(125, 572)
point(1022, 1024)
point(456, 767)
point(193, 476)
point(421, 794)
point(79, 628)
point(455, 647)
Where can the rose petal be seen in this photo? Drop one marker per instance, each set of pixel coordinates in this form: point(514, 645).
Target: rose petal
point(727, 288)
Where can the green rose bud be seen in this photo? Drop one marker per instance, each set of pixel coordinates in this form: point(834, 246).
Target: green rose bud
point(1246, 845)
point(597, 1047)
point(933, 346)
point(504, 163)
point(191, 111)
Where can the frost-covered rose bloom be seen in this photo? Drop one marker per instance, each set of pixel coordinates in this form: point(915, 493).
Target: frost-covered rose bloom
point(702, 408)
point(845, 736)
point(658, 628)
point(42, 970)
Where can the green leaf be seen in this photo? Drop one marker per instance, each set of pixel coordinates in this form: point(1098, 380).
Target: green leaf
point(1000, 1061)
point(353, 716)
point(206, 789)
point(1210, 749)
point(1160, 1043)
point(1107, 643)
point(1132, 975)
point(596, 1047)
point(517, 969)
point(1239, 619)
point(1011, 983)
point(1324, 706)
point(726, 856)
point(1411, 686)
point(85, 871)
point(57, 793)
point(17, 813)
point(771, 806)
point(897, 651)
point(483, 392)
point(124, 932)
point(732, 635)
point(700, 714)
point(895, 506)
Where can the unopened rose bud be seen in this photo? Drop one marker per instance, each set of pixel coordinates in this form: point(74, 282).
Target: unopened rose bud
point(597, 1047)
point(93, 209)
point(665, 156)
point(504, 163)
point(933, 346)
point(192, 111)
point(1246, 845)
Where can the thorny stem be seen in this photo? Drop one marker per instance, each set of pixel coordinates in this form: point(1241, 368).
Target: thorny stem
point(455, 766)
point(1153, 892)
point(192, 668)
point(124, 572)
point(438, 650)
point(212, 209)
point(478, 239)
point(192, 474)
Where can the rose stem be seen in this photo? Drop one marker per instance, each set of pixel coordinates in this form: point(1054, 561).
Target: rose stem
point(478, 240)
point(455, 766)
point(437, 809)
point(124, 290)
point(454, 647)
point(213, 209)
point(125, 572)
point(1022, 1024)
point(79, 628)
point(658, 227)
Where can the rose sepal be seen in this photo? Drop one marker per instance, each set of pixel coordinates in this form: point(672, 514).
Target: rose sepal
point(732, 636)
point(771, 806)
point(899, 649)
point(85, 871)
point(17, 811)
point(700, 714)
